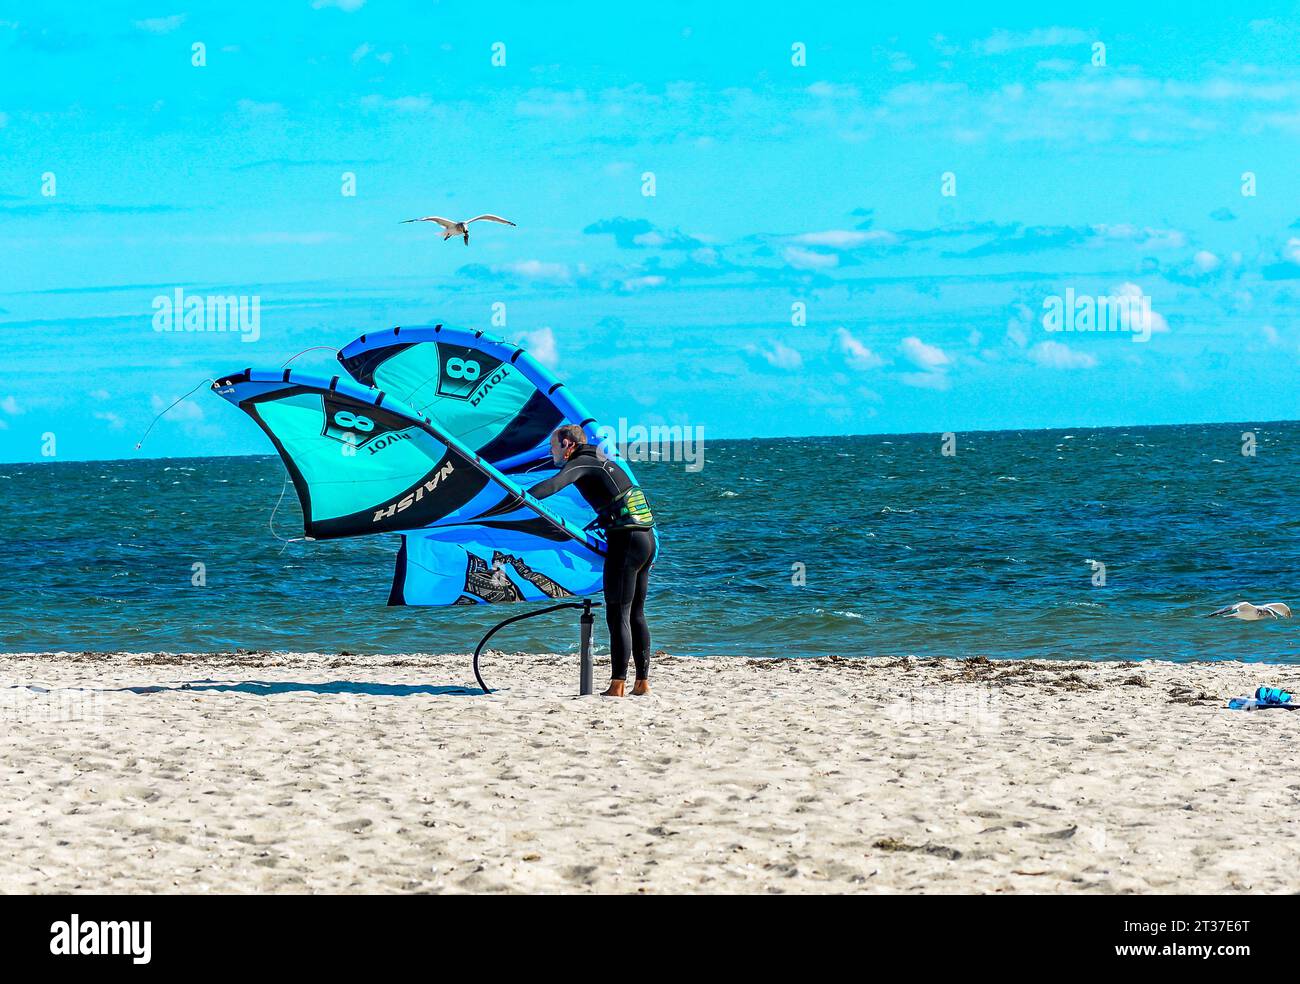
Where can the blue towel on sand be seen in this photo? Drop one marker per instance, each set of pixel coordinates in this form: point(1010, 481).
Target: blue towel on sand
point(1265, 697)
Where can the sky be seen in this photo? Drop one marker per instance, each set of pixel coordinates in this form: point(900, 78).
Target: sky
point(758, 219)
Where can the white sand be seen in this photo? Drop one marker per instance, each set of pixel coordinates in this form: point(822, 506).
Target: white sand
point(736, 776)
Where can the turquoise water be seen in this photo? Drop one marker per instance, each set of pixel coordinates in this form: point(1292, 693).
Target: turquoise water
point(905, 552)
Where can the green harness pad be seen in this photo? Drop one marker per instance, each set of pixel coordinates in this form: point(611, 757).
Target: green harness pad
point(629, 510)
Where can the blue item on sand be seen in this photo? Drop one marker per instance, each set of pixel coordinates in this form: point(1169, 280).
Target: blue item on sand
point(1272, 695)
point(1265, 697)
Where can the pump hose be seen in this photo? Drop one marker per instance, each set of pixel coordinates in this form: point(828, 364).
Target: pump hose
point(518, 618)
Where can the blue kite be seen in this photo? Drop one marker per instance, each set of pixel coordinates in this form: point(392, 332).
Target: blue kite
point(436, 434)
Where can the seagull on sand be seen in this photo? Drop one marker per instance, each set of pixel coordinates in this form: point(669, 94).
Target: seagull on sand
point(1247, 612)
point(450, 228)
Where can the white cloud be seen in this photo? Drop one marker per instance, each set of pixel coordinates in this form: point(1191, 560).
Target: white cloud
point(1206, 261)
point(402, 104)
point(1144, 236)
point(933, 360)
point(1132, 108)
point(782, 356)
point(110, 418)
point(550, 104)
point(161, 25)
point(365, 50)
point(99, 394)
point(1158, 323)
point(806, 259)
point(1017, 330)
point(832, 90)
point(10, 406)
point(538, 270)
point(541, 346)
point(347, 6)
point(637, 283)
point(1271, 335)
point(1001, 41)
point(926, 380)
point(1054, 355)
point(845, 238)
point(859, 356)
point(923, 356)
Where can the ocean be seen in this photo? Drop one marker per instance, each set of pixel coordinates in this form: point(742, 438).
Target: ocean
point(1061, 544)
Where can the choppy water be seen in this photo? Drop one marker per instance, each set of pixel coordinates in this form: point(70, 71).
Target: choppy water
point(905, 551)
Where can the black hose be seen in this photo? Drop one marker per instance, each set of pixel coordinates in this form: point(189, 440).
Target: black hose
point(518, 618)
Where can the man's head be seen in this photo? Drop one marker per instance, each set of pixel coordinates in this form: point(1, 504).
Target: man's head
point(565, 441)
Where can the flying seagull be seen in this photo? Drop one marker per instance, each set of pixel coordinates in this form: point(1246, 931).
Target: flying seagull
point(1247, 612)
point(450, 228)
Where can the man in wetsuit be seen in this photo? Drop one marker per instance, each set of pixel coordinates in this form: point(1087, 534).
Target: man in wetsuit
point(623, 513)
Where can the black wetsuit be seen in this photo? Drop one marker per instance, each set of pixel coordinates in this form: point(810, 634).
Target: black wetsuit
point(627, 564)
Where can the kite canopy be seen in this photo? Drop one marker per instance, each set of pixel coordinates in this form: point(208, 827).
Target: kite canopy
point(360, 463)
point(489, 394)
point(438, 438)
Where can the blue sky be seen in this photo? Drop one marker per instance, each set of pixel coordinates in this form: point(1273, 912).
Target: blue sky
point(775, 184)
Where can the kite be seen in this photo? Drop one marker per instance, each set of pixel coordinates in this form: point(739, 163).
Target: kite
point(435, 434)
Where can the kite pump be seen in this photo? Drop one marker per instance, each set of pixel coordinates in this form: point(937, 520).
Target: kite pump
point(585, 623)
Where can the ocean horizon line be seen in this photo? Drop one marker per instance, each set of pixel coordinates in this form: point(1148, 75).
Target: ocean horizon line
point(749, 439)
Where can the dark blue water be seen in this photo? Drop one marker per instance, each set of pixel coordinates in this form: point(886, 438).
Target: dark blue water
point(905, 551)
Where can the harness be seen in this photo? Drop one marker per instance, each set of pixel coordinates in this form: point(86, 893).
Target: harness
point(628, 510)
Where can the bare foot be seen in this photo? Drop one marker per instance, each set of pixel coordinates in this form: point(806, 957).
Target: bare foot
point(641, 688)
point(615, 688)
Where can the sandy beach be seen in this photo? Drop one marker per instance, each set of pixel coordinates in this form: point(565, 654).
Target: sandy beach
point(276, 773)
